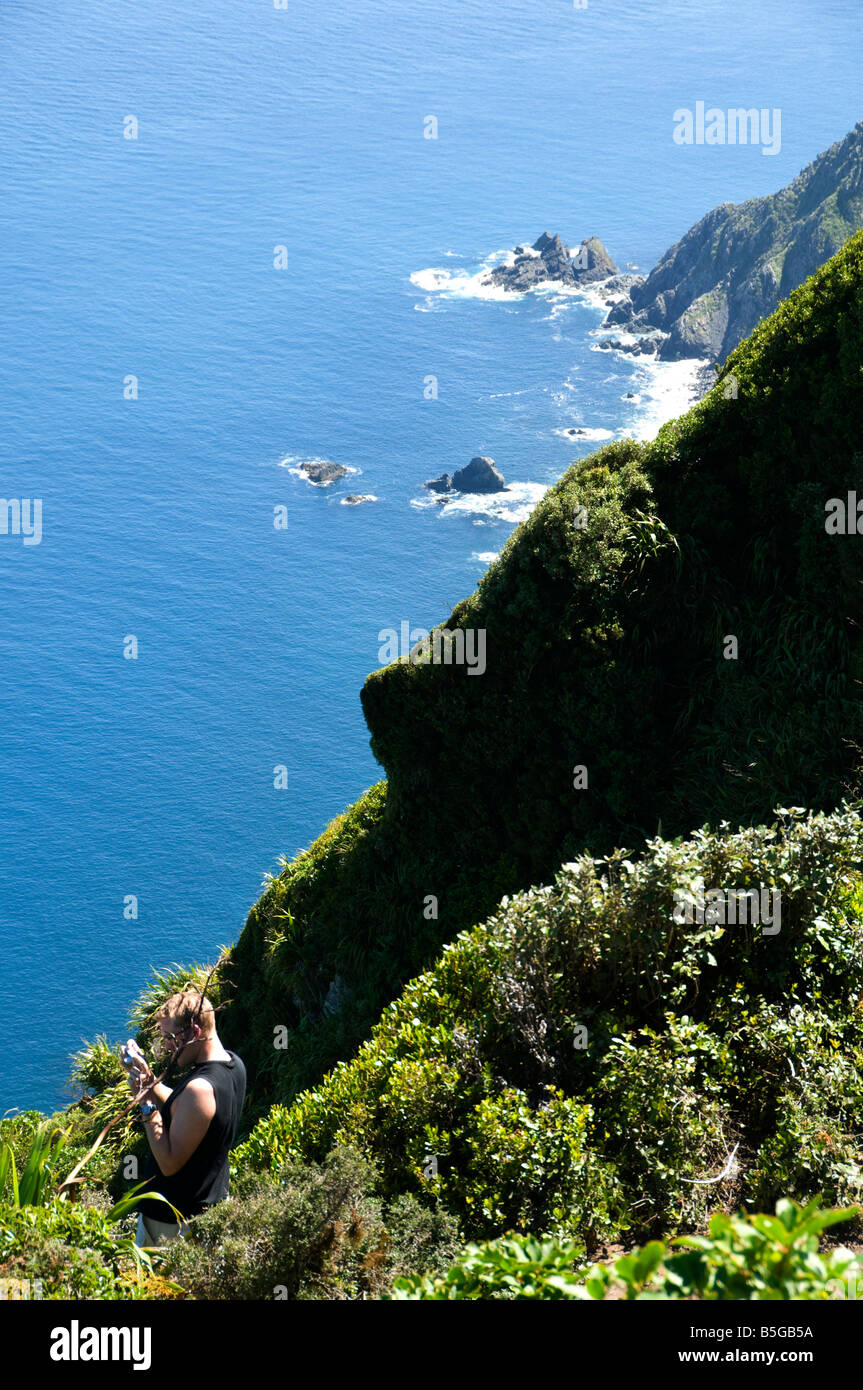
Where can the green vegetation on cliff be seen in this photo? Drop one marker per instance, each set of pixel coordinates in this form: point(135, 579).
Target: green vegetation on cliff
point(581, 1064)
point(607, 617)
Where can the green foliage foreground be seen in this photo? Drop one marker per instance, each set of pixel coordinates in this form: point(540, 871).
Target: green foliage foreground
point(582, 1064)
point(758, 1258)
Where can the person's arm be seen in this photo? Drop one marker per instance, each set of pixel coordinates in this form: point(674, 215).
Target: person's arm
point(158, 1093)
point(190, 1120)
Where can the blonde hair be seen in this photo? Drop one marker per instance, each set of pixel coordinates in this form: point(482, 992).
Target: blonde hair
point(188, 1007)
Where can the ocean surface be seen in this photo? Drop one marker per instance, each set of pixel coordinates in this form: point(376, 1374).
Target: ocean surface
point(154, 258)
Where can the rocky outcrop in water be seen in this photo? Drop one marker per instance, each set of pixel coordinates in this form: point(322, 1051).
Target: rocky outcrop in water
point(550, 259)
point(323, 472)
point(479, 476)
point(441, 484)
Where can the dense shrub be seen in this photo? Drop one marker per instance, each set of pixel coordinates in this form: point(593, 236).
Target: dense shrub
point(74, 1250)
point(664, 1093)
point(753, 1258)
point(509, 1267)
point(742, 1258)
point(667, 1047)
point(310, 1232)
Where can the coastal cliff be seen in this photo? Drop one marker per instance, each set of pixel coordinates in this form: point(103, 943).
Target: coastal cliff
point(710, 290)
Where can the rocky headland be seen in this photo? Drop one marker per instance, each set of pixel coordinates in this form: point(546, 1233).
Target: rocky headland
point(713, 287)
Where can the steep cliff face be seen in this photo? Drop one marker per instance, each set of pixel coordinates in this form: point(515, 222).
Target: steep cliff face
point(672, 636)
point(710, 290)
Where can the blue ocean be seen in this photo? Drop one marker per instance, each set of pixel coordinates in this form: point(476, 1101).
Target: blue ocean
point(232, 241)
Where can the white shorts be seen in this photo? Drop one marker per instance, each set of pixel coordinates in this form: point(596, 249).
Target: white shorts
point(152, 1232)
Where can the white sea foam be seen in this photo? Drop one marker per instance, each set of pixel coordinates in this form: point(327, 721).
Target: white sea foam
point(666, 390)
point(431, 279)
point(485, 557)
point(562, 302)
point(586, 434)
point(621, 335)
point(461, 284)
point(458, 284)
point(596, 295)
point(514, 505)
point(358, 498)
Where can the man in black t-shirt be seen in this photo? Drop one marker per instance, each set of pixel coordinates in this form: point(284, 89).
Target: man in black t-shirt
point(190, 1127)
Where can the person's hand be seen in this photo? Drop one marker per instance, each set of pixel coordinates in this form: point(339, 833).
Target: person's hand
point(141, 1083)
point(140, 1076)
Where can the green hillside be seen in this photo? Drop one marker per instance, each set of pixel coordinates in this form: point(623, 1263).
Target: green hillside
point(606, 616)
point(581, 1063)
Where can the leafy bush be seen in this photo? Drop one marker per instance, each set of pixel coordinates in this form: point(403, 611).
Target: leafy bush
point(663, 1094)
point(312, 1232)
point(753, 1258)
point(510, 1267)
point(419, 1237)
point(76, 1251)
point(690, 1032)
point(743, 1258)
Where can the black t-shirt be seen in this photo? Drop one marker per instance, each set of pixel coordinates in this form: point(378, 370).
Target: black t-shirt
point(203, 1179)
